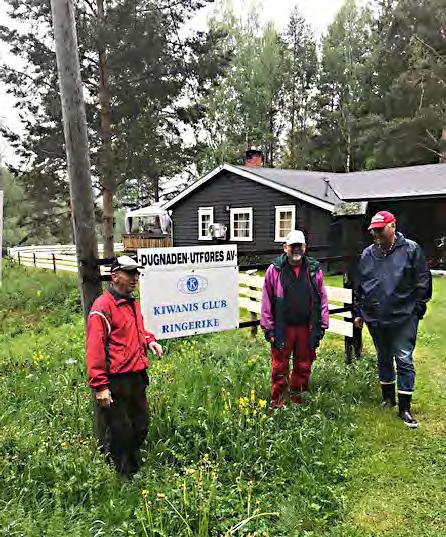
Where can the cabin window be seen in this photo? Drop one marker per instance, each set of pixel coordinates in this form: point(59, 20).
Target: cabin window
point(241, 224)
point(285, 221)
point(205, 219)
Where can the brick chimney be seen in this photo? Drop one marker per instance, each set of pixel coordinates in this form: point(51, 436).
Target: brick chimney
point(254, 158)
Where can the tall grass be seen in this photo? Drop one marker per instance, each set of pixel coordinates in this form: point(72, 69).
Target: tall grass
point(216, 462)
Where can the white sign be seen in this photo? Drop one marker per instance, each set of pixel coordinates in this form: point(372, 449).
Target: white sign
point(189, 291)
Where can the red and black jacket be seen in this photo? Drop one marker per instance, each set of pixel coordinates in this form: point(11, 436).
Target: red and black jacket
point(116, 339)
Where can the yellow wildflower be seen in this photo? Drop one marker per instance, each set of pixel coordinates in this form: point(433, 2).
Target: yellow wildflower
point(243, 402)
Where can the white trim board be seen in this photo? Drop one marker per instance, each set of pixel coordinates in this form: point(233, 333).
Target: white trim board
point(202, 211)
point(277, 210)
point(241, 210)
point(254, 177)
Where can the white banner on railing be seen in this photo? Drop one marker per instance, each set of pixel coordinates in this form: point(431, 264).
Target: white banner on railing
point(189, 291)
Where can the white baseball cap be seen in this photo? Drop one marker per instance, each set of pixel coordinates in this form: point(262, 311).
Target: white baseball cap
point(295, 237)
point(125, 262)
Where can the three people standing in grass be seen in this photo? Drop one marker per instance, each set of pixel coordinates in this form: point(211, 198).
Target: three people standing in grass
point(393, 287)
point(294, 317)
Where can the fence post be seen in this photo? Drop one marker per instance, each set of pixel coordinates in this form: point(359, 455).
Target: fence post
point(54, 263)
point(348, 341)
point(352, 345)
point(253, 328)
point(357, 342)
point(34, 258)
point(253, 316)
point(18, 257)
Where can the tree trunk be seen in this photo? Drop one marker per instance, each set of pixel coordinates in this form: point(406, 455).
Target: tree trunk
point(76, 144)
point(108, 182)
point(348, 156)
point(271, 133)
point(442, 158)
point(156, 188)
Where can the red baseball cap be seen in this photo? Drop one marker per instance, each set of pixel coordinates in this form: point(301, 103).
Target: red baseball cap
point(381, 219)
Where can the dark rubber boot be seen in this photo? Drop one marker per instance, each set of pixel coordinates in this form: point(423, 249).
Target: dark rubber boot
point(388, 391)
point(404, 413)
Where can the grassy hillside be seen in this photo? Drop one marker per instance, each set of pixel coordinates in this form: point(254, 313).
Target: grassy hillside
point(217, 461)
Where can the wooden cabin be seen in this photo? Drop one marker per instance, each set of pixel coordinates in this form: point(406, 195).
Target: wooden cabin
point(255, 207)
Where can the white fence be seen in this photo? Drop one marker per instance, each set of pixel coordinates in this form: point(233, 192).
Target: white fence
point(63, 258)
point(54, 257)
point(250, 296)
point(58, 249)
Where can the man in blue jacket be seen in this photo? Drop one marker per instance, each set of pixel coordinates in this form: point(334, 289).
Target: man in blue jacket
point(393, 287)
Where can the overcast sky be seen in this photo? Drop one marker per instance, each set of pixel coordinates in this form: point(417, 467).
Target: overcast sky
point(319, 13)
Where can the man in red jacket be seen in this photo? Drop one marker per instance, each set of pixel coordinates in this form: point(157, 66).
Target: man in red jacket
point(117, 345)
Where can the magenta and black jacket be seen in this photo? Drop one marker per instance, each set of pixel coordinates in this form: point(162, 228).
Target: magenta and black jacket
point(273, 321)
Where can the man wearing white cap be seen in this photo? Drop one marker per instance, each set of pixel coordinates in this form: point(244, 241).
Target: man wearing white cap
point(117, 345)
point(294, 317)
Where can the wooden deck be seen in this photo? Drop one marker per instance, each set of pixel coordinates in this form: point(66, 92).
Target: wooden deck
point(133, 241)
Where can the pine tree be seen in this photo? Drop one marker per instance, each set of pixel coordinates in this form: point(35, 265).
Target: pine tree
point(343, 90)
point(410, 67)
point(301, 70)
point(245, 108)
point(136, 73)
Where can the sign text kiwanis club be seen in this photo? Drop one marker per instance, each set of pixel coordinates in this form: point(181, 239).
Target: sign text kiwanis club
point(187, 291)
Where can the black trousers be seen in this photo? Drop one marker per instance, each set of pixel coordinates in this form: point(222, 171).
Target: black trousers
point(122, 428)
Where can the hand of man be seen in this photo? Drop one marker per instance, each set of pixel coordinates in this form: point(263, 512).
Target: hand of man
point(156, 348)
point(269, 336)
point(104, 398)
point(358, 322)
point(420, 310)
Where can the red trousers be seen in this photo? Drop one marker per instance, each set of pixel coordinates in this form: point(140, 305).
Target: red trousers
point(297, 341)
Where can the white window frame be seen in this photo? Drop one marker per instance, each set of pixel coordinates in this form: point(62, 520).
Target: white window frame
point(205, 211)
point(240, 210)
point(282, 209)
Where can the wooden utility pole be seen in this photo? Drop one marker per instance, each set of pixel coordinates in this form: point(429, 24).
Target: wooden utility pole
point(76, 143)
point(442, 157)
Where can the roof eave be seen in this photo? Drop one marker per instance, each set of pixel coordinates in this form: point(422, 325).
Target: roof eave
point(396, 198)
point(253, 177)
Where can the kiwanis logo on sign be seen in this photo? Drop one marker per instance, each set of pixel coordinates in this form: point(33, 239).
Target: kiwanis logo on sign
point(191, 285)
point(189, 290)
